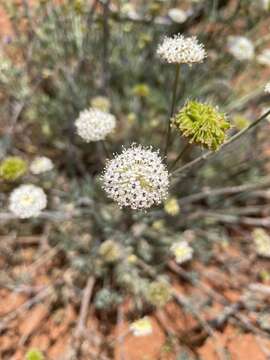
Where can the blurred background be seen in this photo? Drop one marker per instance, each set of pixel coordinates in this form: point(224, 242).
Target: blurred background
point(73, 280)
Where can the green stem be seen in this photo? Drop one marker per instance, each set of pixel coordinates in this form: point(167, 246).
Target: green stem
point(105, 149)
point(177, 72)
point(182, 152)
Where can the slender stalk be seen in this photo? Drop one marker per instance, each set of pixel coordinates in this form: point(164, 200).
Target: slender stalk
point(105, 149)
point(177, 72)
point(182, 152)
point(207, 155)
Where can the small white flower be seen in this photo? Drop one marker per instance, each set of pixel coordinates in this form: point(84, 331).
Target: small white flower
point(41, 164)
point(240, 47)
point(182, 251)
point(141, 327)
point(136, 178)
point(27, 201)
point(262, 242)
point(94, 124)
point(178, 15)
point(264, 57)
point(181, 50)
point(267, 88)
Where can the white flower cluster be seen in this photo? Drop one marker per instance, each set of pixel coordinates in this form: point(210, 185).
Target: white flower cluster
point(182, 251)
point(27, 201)
point(178, 15)
point(94, 124)
point(141, 327)
point(264, 57)
point(40, 165)
point(136, 178)
point(181, 50)
point(240, 47)
point(262, 242)
point(267, 88)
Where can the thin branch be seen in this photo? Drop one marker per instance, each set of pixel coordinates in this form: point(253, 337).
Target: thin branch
point(230, 190)
point(84, 306)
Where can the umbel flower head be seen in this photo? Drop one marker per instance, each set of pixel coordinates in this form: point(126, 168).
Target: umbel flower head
point(202, 124)
point(12, 168)
point(181, 50)
point(136, 178)
point(40, 165)
point(94, 124)
point(141, 327)
point(27, 201)
point(182, 251)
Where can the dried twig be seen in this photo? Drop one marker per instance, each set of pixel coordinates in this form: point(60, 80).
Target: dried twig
point(84, 307)
point(230, 190)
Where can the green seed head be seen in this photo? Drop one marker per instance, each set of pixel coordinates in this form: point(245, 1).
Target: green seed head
point(159, 293)
point(12, 168)
point(202, 124)
point(34, 354)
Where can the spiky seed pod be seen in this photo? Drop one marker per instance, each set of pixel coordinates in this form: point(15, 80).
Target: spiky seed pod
point(141, 327)
point(12, 168)
point(94, 124)
point(159, 293)
point(182, 251)
point(40, 165)
point(110, 251)
point(202, 124)
point(27, 201)
point(181, 50)
point(136, 178)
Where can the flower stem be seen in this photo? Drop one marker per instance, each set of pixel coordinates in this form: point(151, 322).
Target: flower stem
point(177, 72)
point(105, 149)
point(182, 152)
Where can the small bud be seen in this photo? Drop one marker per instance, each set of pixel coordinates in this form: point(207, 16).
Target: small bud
point(110, 251)
point(159, 293)
point(12, 168)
